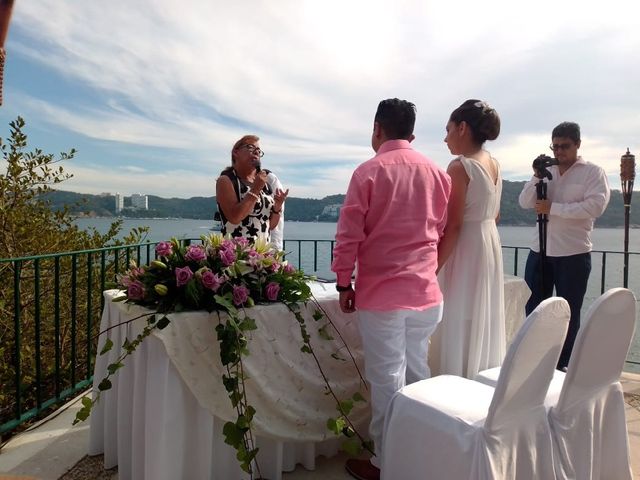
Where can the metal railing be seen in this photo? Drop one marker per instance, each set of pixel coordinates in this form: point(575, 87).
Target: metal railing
point(51, 307)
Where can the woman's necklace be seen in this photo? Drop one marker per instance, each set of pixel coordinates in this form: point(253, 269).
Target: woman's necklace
point(246, 181)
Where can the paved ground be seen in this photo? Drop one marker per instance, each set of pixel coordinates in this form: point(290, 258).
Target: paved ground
point(53, 450)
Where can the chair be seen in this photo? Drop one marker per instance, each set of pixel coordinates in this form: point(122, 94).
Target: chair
point(451, 428)
point(588, 422)
point(490, 377)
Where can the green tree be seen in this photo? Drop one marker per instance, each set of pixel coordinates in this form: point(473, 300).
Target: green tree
point(29, 307)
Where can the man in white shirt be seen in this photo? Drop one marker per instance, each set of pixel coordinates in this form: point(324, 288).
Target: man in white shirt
point(577, 194)
point(277, 234)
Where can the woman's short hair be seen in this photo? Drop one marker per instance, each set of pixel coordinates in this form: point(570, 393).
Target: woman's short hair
point(243, 141)
point(482, 119)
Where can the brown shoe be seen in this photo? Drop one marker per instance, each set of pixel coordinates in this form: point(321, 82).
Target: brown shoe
point(362, 469)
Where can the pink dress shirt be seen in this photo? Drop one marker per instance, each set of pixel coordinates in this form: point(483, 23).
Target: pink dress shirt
point(391, 221)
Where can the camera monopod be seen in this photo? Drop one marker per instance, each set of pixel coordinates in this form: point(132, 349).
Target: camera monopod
point(540, 165)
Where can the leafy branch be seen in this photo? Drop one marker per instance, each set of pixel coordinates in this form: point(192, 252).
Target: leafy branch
point(128, 347)
point(233, 345)
point(355, 442)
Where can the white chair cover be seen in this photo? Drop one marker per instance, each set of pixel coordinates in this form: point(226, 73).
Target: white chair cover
point(588, 423)
point(490, 377)
point(452, 428)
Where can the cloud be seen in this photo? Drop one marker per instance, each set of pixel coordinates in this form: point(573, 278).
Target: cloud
point(191, 77)
point(169, 184)
point(133, 169)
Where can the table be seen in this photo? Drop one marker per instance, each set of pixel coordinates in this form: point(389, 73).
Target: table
point(163, 417)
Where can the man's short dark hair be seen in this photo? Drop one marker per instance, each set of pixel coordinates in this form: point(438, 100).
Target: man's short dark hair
point(567, 130)
point(397, 118)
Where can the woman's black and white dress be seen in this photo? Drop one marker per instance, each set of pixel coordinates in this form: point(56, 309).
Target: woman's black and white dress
point(255, 225)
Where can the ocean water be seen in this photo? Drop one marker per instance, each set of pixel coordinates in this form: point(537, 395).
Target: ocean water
point(302, 253)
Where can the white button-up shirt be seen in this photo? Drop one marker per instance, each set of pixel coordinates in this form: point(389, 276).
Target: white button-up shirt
point(578, 197)
point(277, 234)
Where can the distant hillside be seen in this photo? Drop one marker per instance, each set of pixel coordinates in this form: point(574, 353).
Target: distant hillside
point(304, 209)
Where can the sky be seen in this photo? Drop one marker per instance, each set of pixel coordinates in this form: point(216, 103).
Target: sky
point(153, 93)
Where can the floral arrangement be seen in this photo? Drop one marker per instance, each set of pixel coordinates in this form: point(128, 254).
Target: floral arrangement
point(213, 274)
point(226, 275)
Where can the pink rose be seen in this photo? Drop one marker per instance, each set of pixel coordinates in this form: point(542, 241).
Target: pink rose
point(195, 253)
point(272, 291)
point(254, 259)
point(124, 280)
point(227, 245)
point(211, 280)
point(136, 272)
point(164, 249)
point(183, 275)
point(228, 256)
point(241, 241)
point(288, 268)
point(135, 290)
point(240, 294)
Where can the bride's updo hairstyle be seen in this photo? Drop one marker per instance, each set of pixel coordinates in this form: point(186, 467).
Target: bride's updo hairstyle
point(481, 118)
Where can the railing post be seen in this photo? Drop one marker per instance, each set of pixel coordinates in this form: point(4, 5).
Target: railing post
point(89, 310)
point(103, 273)
point(17, 267)
point(116, 261)
point(604, 268)
point(315, 255)
point(37, 322)
point(56, 322)
point(74, 278)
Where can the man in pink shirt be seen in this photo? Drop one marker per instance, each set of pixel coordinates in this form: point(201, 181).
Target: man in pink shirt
point(390, 224)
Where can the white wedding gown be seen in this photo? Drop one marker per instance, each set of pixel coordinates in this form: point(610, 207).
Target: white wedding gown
point(471, 336)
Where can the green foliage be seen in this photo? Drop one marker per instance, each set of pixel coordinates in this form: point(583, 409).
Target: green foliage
point(28, 227)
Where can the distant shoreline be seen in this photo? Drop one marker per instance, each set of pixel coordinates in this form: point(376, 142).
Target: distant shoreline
point(114, 218)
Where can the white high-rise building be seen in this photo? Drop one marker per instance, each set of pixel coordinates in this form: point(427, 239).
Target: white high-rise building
point(332, 210)
point(139, 201)
point(119, 202)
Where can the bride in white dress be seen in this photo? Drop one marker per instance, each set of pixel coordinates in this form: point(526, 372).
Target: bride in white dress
point(471, 335)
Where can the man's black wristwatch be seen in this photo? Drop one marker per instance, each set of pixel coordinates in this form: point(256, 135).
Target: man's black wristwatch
point(343, 289)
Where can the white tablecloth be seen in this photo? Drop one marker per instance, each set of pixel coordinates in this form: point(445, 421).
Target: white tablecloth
point(516, 294)
point(163, 417)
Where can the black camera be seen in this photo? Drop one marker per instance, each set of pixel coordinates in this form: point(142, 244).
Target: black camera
point(541, 163)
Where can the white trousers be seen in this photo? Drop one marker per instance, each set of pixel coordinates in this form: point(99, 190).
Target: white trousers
point(396, 346)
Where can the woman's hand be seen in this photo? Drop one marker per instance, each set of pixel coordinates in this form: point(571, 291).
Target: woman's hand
point(259, 182)
point(279, 197)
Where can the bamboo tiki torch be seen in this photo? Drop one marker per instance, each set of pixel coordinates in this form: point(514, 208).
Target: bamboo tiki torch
point(6, 8)
point(627, 175)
